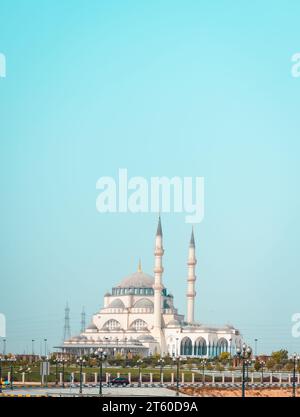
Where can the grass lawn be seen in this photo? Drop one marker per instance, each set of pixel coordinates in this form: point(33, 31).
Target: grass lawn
point(33, 375)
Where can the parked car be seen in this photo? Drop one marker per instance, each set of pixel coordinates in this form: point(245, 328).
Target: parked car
point(120, 381)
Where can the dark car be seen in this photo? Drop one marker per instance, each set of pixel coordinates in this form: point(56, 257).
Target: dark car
point(120, 381)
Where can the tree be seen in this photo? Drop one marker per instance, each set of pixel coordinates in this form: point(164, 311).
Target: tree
point(224, 357)
point(270, 364)
point(280, 356)
point(257, 366)
point(119, 356)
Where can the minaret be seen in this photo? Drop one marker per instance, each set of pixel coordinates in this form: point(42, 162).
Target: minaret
point(191, 293)
point(158, 271)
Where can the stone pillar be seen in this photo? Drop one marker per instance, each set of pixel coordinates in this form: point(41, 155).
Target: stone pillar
point(72, 377)
point(162, 378)
point(223, 378)
point(172, 378)
point(182, 378)
point(271, 378)
point(213, 378)
point(280, 378)
point(129, 377)
point(290, 378)
point(96, 377)
point(193, 378)
point(118, 375)
point(252, 378)
point(60, 378)
point(23, 377)
point(84, 378)
point(8, 376)
point(106, 377)
point(232, 378)
point(151, 378)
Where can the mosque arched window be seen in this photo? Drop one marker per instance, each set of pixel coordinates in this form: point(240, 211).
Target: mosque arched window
point(112, 325)
point(200, 347)
point(139, 324)
point(186, 346)
point(222, 346)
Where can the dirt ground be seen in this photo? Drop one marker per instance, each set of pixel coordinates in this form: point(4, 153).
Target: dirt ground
point(221, 392)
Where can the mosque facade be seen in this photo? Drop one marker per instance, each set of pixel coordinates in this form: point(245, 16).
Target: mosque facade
point(139, 317)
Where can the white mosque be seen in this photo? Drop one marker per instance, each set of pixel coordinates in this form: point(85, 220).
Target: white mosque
point(139, 317)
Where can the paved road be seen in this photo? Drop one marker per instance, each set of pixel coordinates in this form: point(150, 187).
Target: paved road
point(116, 392)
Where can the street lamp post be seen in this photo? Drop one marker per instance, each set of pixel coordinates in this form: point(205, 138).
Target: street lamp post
point(47, 367)
point(203, 363)
point(244, 354)
point(177, 360)
point(248, 363)
point(80, 362)
point(125, 351)
point(161, 362)
point(255, 341)
point(177, 348)
point(139, 362)
point(108, 353)
point(102, 356)
point(11, 361)
point(262, 364)
point(295, 359)
point(56, 361)
point(63, 362)
point(1, 361)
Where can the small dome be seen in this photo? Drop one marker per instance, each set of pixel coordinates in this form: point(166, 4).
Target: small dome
point(137, 280)
point(117, 304)
point(143, 303)
point(145, 338)
point(92, 326)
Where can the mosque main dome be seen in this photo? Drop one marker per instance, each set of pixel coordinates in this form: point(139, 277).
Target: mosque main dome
point(137, 280)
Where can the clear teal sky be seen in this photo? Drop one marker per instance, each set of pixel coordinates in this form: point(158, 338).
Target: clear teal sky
point(188, 88)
